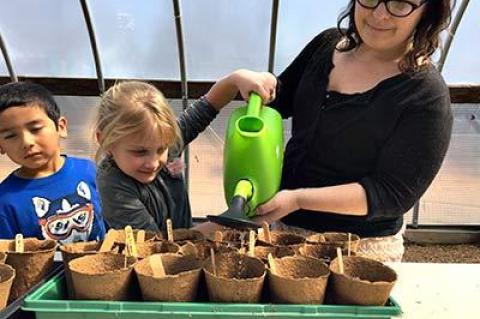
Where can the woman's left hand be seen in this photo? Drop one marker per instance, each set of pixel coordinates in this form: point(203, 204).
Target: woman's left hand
point(282, 204)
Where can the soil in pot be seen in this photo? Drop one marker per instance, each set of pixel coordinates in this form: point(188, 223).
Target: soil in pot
point(230, 237)
point(282, 238)
point(334, 240)
point(276, 251)
point(120, 237)
point(182, 235)
point(323, 252)
point(202, 249)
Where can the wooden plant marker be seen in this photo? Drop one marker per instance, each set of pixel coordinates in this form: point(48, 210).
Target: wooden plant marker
point(212, 255)
point(266, 232)
point(349, 244)
point(251, 243)
point(130, 243)
point(169, 230)
point(271, 263)
point(109, 241)
point(340, 260)
point(19, 244)
point(141, 236)
point(157, 265)
point(218, 236)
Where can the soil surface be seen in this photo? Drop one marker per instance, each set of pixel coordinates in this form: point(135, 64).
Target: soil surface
point(469, 254)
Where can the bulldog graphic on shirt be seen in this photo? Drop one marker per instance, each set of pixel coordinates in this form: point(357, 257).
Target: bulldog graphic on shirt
point(67, 219)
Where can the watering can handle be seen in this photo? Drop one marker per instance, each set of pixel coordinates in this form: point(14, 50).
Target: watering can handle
point(254, 104)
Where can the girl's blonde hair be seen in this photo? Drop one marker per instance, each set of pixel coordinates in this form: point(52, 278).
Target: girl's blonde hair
point(134, 107)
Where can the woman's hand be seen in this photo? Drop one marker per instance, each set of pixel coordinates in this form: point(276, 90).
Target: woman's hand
point(282, 204)
point(262, 83)
point(245, 82)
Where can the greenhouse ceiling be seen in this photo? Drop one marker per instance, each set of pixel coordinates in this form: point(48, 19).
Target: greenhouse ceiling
point(185, 40)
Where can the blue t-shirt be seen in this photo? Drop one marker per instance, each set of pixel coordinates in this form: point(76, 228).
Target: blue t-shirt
point(64, 206)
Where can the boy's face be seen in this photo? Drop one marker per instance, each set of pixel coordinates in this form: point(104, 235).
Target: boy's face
point(30, 139)
point(139, 156)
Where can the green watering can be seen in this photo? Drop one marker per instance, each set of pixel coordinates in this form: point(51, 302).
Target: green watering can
point(252, 162)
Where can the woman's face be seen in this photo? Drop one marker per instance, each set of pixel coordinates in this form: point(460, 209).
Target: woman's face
point(381, 31)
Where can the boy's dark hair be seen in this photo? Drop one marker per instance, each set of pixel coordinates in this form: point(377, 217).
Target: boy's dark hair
point(28, 94)
point(426, 39)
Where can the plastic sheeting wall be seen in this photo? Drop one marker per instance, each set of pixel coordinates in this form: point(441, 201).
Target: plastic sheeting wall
point(137, 39)
point(451, 199)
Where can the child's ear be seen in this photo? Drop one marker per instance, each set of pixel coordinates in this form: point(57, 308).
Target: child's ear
point(98, 136)
point(62, 127)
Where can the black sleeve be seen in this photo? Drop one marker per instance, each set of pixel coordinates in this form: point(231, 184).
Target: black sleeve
point(288, 80)
point(412, 156)
point(195, 119)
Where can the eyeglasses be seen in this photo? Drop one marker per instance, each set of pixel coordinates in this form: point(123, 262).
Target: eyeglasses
point(397, 8)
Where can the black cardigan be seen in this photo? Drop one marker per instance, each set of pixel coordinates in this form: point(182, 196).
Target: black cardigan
point(391, 139)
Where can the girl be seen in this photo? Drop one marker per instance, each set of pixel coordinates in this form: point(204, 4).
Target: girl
point(137, 131)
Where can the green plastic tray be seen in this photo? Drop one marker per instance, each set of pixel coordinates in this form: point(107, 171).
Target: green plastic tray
point(48, 303)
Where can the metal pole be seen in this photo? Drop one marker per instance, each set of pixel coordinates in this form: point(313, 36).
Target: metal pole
point(8, 62)
point(183, 78)
point(273, 35)
point(93, 44)
point(415, 215)
point(441, 63)
point(451, 33)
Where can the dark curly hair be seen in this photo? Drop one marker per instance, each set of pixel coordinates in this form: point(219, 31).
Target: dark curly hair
point(28, 94)
point(426, 38)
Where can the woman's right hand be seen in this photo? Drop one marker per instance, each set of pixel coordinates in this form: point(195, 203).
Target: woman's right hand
point(245, 82)
point(262, 83)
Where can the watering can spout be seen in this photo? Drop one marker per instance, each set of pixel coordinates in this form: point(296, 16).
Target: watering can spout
point(235, 215)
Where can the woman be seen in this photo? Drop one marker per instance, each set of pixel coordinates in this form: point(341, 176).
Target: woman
point(371, 123)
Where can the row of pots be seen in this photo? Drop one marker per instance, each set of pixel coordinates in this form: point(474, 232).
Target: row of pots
point(37, 260)
point(236, 278)
point(239, 238)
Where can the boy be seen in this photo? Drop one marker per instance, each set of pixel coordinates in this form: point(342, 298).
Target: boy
point(51, 196)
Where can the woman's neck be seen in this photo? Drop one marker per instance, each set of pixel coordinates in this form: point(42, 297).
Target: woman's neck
point(369, 55)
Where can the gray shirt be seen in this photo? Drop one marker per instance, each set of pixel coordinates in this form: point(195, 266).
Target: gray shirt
point(125, 201)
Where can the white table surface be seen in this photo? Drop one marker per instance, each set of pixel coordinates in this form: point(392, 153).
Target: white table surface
point(437, 291)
